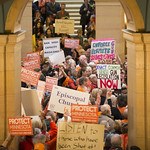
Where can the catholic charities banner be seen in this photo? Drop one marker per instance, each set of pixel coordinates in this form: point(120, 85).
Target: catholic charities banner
point(62, 98)
point(103, 49)
point(108, 76)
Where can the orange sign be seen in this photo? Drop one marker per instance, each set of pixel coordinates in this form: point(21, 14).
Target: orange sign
point(72, 43)
point(32, 64)
point(50, 82)
point(32, 56)
point(88, 113)
point(20, 126)
point(29, 76)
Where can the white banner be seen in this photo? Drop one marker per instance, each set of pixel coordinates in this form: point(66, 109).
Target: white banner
point(51, 46)
point(62, 98)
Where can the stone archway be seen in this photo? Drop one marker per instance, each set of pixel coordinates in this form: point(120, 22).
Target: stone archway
point(135, 45)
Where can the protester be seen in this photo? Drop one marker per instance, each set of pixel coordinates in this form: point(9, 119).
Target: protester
point(62, 14)
point(85, 12)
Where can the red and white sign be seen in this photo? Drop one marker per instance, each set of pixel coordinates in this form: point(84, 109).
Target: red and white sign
point(29, 76)
point(50, 82)
point(72, 43)
point(88, 113)
point(32, 56)
point(32, 64)
point(20, 126)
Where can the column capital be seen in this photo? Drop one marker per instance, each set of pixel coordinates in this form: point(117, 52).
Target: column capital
point(16, 37)
point(133, 37)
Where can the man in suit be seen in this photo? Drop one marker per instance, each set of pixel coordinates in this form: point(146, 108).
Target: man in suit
point(52, 8)
point(62, 14)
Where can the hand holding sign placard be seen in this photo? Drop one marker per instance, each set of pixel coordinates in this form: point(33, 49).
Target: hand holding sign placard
point(108, 76)
point(102, 49)
point(20, 126)
point(51, 46)
point(88, 113)
point(80, 136)
point(64, 26)
point(29, 76)
point(62, 98)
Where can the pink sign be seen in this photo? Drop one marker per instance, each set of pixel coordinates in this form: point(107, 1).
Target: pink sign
point(72, 43)
point(32, 64)
point(29, 76)
point(50, 82)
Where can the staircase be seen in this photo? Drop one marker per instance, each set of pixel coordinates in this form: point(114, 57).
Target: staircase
point(73, 7)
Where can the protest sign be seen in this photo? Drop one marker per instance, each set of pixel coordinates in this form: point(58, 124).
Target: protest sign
point(20, 126)
point(72, 43)
point(62, 98)
point(102, 49)
point(32, 56)
point(29, 76)
point(41, 89)
point(51, 46)
point(30, 102)
point(80, 136)
point(32, 64)
point(50, 82)
point(88, 113)
point(57, 58)
point(108, 76)
point(64, 26)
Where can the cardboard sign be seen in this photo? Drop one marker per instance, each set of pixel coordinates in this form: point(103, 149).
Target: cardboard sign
point(108, 76)
point(72, 43)
point(64, 26)
point(30, 102)
point(102, 49)
point(20, 126)
point(30, 76)
point(50, 82)
point(32, 56)
point(88, 113)
point(32, 64)
point(51, 46)
point(41, 89)
point(62, 98)
point(57, 58)
point(80, 136)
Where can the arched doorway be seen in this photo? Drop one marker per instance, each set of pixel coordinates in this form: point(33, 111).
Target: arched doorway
point(135, 24)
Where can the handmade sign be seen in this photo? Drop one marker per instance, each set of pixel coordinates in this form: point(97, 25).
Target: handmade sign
point(50, 82)
point(57, 58)
point(32, 64)
point(108, 76)
point(62, 98)
point(30, 102)
point(64, 26)
point(32, 56)
point(72, 43)
point(20, 126)
point(80, 136)
point(103, 49)
point(29, 76)
point(51, 46)
point(41, 89)
point(88, 113)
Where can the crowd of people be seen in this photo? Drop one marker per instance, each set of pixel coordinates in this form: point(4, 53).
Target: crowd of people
point(77, 73)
